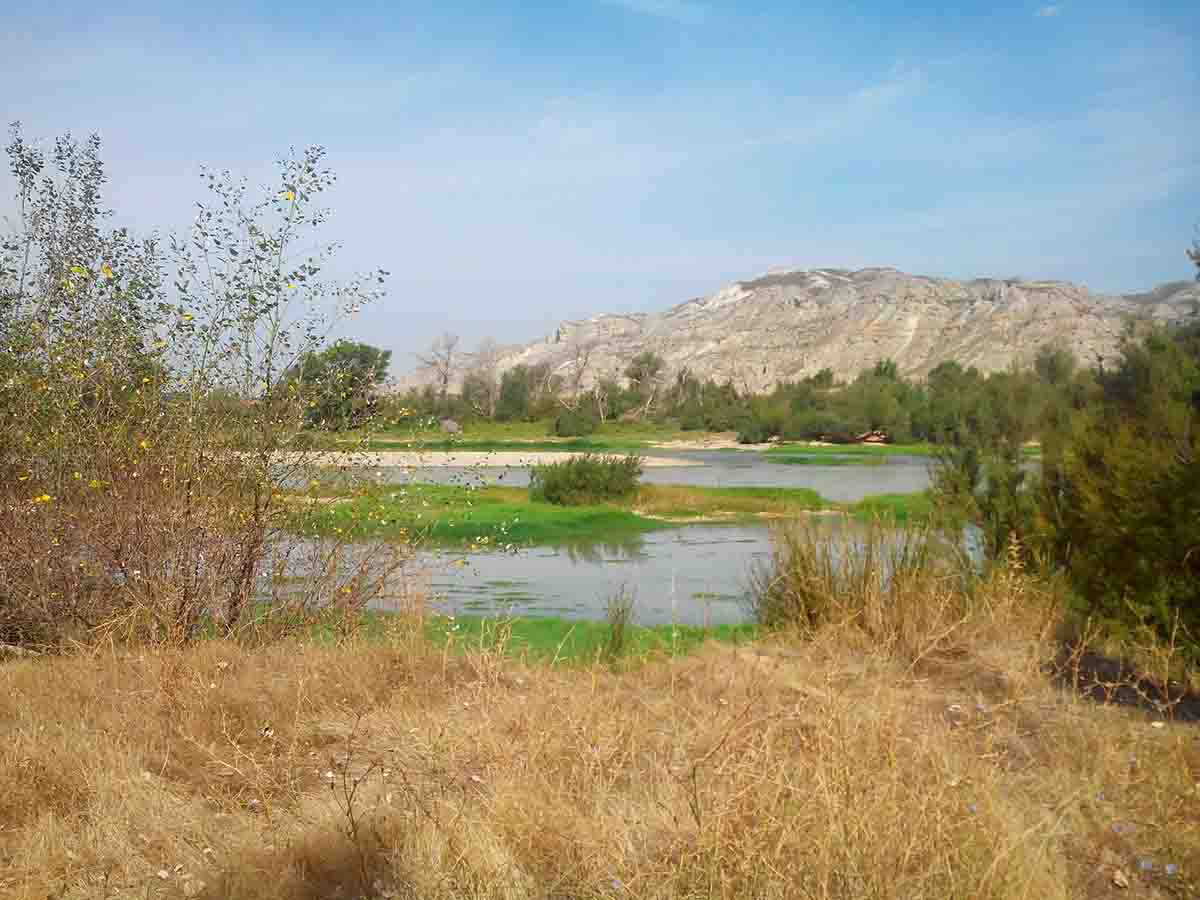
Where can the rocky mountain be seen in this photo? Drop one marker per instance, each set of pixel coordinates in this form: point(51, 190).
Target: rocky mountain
point(788, 324)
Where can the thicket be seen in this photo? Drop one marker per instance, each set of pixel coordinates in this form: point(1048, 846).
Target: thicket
point(584, 479)
point(574, 423)
point(146, 406)
point(1114, 506)
point(340, 381)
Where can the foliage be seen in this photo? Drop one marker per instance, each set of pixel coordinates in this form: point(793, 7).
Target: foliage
point(575, 423)
point(588, 478)
point(338, 381)
point(1121, 508)
point(448, 515)
point(527, 393)
point(893, 589)
point(643, 372)
point(141, 427)
point(752, 431)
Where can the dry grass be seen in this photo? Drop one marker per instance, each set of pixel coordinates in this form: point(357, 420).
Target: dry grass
point(392, 770)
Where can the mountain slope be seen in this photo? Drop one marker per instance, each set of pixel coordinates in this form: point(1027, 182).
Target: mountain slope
point(785, 325)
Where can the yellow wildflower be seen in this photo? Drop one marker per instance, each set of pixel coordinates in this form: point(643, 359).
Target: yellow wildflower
point(288, 195)
point(95, 484)
point(44, 498)
point(106, 270)
point(78, 270)
point(187, 317)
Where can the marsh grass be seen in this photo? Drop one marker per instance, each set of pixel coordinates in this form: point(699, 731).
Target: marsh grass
point(458, 516)
point(916, 509)
point(693, 502)
point(894, 588)
point(798, 459)
point(618, 615)
point(491, 516)
point(849, 451)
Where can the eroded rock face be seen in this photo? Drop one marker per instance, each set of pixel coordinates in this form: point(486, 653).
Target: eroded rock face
point(787, 325)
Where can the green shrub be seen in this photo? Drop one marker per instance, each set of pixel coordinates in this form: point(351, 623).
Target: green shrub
point(589, 478)
point(752, 431)
point(574, 423)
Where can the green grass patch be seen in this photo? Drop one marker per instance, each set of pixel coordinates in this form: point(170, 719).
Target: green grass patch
point(867, 451)
point(563, 445)
point(688, 502)
point(806, 459)
point(578, 641)
point(460, 516)
point(452, 515)
point(900, 508)
point(482, 436)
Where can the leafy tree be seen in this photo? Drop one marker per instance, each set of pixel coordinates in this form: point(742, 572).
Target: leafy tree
point(515, 391)
point(141, 427)
point(338, 382)
point(1054, 365)
point(1121, 508)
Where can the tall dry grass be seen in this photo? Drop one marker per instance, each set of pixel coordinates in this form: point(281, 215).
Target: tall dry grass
point(899, 590)
point(388, 769)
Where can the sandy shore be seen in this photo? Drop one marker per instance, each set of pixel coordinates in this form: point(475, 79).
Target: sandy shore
point(713, 444)
point(437, 459)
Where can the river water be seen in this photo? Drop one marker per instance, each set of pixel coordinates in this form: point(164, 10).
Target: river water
point(697, 574)
point(723, 468)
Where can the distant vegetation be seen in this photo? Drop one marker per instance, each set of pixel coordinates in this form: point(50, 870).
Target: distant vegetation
point(1112, 507)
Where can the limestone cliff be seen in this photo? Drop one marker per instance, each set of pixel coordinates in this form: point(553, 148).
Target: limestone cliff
point(788, 324)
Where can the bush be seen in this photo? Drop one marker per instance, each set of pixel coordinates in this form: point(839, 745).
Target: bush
point(589, 478)
point(146, 413)
point(691, 418)
point(752, 431)
point(574, 423)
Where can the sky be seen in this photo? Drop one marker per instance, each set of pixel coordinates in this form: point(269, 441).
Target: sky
point(515, 165)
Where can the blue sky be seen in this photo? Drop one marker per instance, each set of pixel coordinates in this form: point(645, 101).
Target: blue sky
point(515, 165)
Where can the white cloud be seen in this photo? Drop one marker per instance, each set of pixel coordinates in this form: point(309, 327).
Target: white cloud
point(1049, 11)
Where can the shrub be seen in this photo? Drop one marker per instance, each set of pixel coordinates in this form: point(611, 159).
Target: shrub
point(574, 423)
point(691, 418)
point(752, 431)
point(147, 421)
point(589, 478)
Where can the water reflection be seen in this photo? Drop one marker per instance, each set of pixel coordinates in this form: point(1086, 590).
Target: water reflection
point(693, 575)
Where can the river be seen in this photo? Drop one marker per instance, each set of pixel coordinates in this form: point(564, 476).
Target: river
point(696, 574)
